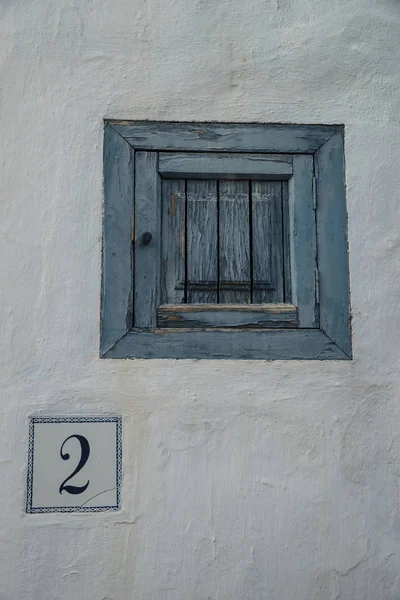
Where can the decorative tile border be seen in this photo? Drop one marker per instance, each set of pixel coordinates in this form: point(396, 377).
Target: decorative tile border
point(83, 509)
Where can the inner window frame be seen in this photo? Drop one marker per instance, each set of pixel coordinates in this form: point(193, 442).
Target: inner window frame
point(297, 169)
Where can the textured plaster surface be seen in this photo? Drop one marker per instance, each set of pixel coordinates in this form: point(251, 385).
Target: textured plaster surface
point(242, 480)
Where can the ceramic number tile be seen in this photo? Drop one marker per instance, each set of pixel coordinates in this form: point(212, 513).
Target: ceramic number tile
point(74, 464)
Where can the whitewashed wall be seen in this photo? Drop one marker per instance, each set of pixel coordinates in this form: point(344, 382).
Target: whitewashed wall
point(242, 480)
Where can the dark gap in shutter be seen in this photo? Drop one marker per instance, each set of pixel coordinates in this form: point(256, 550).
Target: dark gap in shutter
point(251, 242)
point(218, 243)
point(185, 296)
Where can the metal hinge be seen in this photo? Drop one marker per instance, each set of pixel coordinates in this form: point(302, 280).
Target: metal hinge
point(314, 193)
point(317, 286)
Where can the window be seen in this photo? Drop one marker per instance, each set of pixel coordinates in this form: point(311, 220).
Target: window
point(224, 241)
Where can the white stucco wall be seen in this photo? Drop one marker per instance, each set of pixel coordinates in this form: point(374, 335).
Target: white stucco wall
point(242, 480)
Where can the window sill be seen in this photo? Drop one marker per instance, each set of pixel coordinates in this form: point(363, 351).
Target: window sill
point(227, 344)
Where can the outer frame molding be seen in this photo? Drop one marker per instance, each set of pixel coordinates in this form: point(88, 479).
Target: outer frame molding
point(119, 340)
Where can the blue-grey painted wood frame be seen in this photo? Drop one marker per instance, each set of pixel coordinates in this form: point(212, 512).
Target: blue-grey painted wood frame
point(330, 336)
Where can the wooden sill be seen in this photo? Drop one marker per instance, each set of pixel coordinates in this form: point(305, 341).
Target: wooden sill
point(245, 316)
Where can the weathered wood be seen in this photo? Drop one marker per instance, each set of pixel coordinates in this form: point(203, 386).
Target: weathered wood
point(225, 137)
point(202, 241)
point(173, 241)
point(225, 166)
point(227, 315)
point(332, 243)
point(234, 241)
point(268, 344)
point(267, 243)
point(117, 304)
point(303, 241)
point(147, 256)
point(270, 308)
point(287, 275)
point(228, 343)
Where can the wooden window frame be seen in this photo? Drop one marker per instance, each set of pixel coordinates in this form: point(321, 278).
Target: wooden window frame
point(311, 157)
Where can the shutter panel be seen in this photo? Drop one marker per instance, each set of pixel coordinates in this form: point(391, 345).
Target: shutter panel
point(234, 242)
point(202, 241)
point(267, 242)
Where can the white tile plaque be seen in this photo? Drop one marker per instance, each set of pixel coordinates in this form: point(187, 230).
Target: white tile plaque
point(74, 464)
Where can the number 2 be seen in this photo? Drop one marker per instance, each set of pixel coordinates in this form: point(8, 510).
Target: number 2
point(85, 452)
